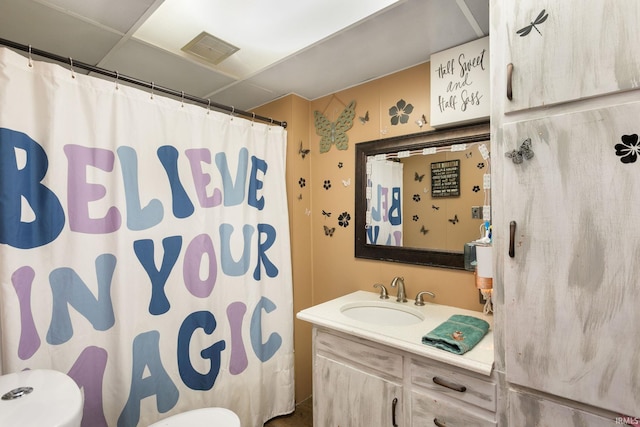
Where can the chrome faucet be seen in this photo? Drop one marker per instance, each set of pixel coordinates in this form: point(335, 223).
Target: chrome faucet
point(383, 291)
point(399, 282)
point(420, 299)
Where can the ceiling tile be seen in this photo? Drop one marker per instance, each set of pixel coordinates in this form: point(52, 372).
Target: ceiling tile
point(265, 31)
point(480, 11)
point(30, 23)
point(120, 15)
point(150, 64)
point(245, 95)
point(372, 49)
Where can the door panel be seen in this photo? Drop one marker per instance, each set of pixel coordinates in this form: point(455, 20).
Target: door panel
point(572, 290)
point(581, 50)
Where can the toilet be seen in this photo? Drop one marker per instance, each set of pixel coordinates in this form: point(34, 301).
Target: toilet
point(218, 417)
point(40, 397)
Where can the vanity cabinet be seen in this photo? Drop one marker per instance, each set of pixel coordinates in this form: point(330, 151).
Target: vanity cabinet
point(357, 381)
point(566, 278)
point(355, 384)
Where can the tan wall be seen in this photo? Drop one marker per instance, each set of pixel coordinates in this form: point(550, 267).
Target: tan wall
point(324, 266)
point(441, 233)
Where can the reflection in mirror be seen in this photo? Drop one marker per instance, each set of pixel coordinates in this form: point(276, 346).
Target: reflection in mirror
point(417, 195)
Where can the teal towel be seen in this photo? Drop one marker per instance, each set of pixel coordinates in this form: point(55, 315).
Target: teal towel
point(458, 334)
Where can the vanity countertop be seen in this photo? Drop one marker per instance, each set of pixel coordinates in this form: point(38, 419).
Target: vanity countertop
point(407, 337)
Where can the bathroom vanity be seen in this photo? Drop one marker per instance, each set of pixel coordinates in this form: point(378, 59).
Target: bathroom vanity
point(371, 368)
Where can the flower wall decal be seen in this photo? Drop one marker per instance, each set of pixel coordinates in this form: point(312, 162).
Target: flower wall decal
point(629, 149)
point(400, 112)
point(343, 219)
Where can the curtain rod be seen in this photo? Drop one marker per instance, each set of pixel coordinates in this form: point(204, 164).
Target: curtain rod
point(121, 77)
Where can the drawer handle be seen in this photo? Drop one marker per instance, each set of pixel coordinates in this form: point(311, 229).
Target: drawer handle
point(509, 78)
point(438, 423)
point(512, 238)
point(394, 403)
point(450, 385)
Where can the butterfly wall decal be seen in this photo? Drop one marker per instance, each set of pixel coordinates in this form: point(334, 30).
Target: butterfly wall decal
point(327, 214)
point(454, 220)
point(335, 132)
point(423, 230)
point(523, 152)
point(346, 182)
point(364, 119)
point(329, 231)
point(303, 151)
point(435, 208)
point(418, 177)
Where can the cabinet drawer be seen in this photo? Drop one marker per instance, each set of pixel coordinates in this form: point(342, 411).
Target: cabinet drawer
point(452, 382)
point(359, 353)
point(532, 411)
point(429, 409)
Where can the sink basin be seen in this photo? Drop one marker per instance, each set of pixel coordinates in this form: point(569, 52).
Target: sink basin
point(382, 313)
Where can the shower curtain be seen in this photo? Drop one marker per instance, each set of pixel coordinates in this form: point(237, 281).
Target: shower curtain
point(144, 248)
point(384, 204)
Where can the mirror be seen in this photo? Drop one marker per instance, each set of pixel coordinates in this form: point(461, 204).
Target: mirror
point(415, 195)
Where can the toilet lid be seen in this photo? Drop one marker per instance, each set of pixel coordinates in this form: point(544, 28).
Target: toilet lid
point(219, 417)
point(56, 397)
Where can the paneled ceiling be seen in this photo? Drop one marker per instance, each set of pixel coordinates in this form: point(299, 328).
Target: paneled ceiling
point(311, 48)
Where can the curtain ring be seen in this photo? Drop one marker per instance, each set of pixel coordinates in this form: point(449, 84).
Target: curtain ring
point(233, 110)
point(253, 118)
point(208, 105)
point(117, 77)
point(182, 99)
point(73, 74)
point(153, 85)
point(30, 64)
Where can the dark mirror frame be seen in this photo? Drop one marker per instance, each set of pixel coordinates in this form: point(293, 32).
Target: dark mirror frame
point(416, 141)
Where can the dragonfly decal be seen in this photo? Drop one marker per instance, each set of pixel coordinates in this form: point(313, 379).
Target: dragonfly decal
point(542, 16)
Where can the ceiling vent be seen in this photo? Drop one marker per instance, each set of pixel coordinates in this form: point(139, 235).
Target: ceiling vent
point(210, 48)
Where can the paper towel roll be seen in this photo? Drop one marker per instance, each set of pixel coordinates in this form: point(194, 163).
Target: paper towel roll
point(484, 257)
point(484, 267)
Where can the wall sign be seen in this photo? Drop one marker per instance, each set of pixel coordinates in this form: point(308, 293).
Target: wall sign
point(460, 84)
point(445, 178)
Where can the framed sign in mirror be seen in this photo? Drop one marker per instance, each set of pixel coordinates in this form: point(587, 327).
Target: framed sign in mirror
point(421, 197)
